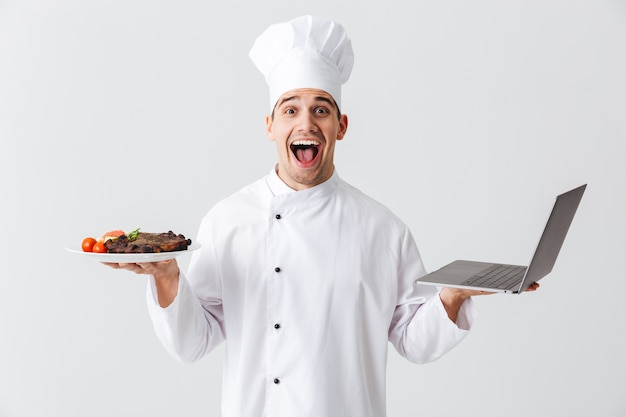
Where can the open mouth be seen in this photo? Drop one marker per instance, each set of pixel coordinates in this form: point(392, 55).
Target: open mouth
point(305, 150)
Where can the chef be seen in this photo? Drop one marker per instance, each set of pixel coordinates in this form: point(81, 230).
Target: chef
point(303, 277)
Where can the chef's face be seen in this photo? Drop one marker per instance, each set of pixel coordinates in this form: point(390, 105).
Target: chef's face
point(305, 126)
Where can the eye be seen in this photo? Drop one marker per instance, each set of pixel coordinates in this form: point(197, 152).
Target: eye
point(290, 111)
point(321, 110)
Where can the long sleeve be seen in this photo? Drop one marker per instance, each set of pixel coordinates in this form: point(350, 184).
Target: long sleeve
point(420, 329)
point(185, 328)
point(427, 333)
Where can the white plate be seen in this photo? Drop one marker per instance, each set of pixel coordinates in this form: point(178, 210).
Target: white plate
point(134, 257)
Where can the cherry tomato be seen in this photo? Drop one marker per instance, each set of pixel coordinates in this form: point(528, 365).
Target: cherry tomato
point(88, 244)
point(99, 247)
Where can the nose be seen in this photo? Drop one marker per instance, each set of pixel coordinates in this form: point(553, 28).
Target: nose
point(306, 123)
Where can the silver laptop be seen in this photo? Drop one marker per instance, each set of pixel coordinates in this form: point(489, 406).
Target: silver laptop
point(514, 279)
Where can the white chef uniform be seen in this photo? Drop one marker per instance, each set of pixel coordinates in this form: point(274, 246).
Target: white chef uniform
point(306, 288)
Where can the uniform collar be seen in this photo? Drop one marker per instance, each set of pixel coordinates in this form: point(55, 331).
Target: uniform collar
point(278, 187)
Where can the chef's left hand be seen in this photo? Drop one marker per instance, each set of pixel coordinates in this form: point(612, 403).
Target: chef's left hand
point(453, 298)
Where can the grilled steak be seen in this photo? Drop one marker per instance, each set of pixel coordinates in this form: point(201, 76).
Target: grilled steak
point(148, 243)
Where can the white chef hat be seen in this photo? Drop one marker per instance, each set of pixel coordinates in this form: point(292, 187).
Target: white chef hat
point(306, 52)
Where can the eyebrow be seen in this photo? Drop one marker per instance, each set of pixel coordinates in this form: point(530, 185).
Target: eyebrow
point(294, 97)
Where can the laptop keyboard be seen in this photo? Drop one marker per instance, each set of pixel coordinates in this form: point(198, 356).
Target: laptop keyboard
point(498, 276)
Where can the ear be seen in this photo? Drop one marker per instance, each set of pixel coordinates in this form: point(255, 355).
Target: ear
point(343, 127)
point(268, 128)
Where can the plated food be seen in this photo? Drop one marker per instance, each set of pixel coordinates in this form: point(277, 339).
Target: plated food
point(135, 246)
point(147, 243)
point(117, 241)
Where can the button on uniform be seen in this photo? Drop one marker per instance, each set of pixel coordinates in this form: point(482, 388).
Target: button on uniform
point(277, 285)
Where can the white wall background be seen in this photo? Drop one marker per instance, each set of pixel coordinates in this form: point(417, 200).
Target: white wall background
point(466, 117)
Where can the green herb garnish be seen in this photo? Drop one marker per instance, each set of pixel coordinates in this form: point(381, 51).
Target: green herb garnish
point(133, 235)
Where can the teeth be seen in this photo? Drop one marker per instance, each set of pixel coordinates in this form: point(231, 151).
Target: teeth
point(305, 142)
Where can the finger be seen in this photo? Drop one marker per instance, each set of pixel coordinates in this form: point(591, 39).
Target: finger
point(133, 267)
point(113, 265)
point(154, 264)
point(155, 267)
